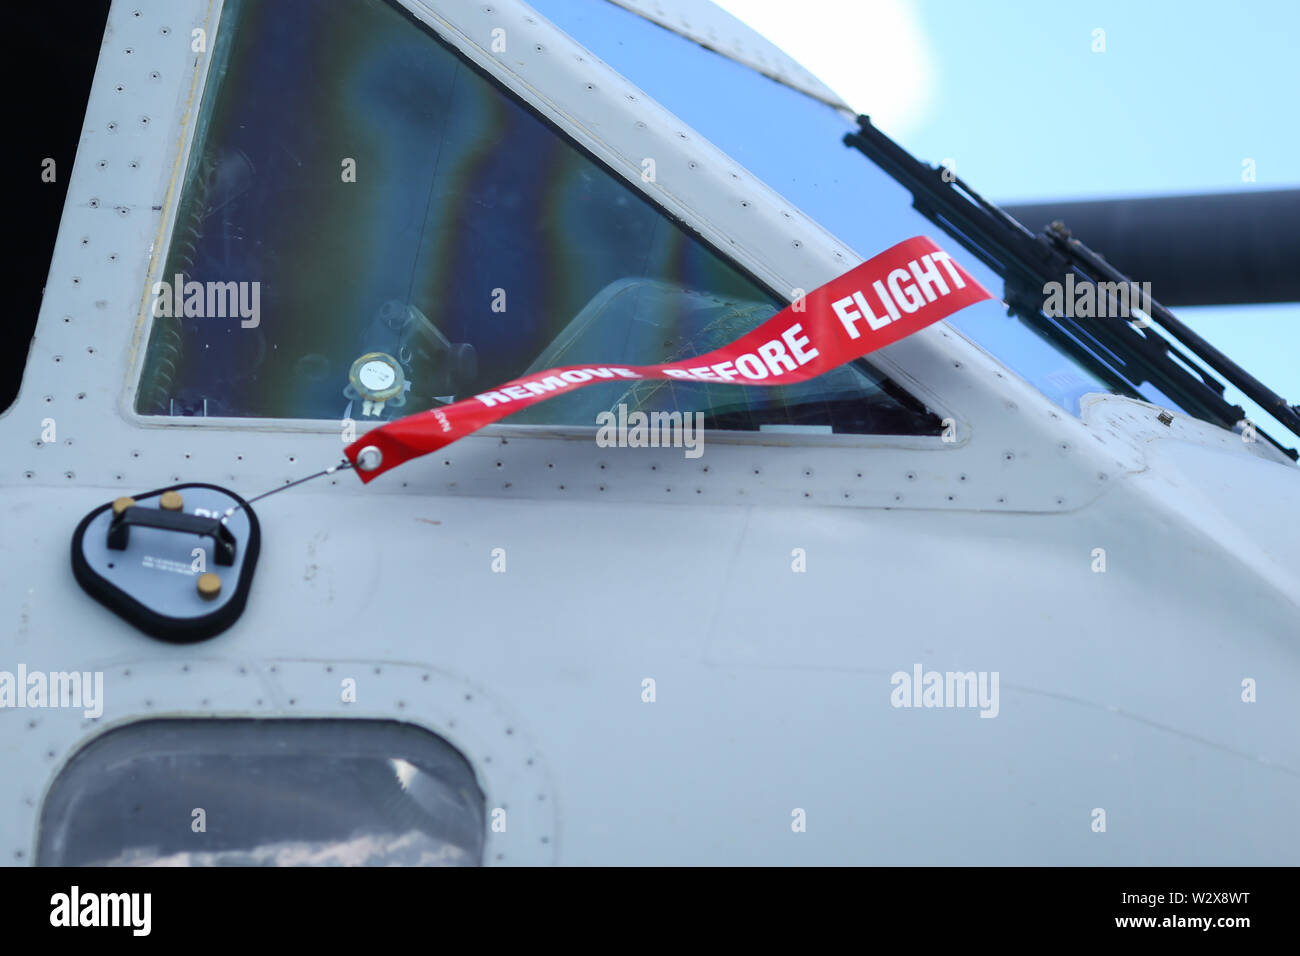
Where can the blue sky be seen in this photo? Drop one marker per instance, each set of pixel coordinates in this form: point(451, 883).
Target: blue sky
point(1013, 93)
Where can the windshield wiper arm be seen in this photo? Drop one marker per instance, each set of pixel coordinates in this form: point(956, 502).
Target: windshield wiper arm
point(1109, 345)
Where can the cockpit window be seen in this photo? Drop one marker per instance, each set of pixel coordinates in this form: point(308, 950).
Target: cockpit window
point(371, 227)
point(809, 165)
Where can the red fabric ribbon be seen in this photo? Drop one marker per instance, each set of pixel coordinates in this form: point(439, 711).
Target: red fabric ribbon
point(888, 297)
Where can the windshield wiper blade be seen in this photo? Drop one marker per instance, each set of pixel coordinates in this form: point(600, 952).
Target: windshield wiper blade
point(1108, 345)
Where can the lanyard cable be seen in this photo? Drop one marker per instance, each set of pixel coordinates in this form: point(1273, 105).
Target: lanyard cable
point(266, 494)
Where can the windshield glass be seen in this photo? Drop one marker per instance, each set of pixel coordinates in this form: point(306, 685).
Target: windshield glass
point(793, 143)
point(371, 227)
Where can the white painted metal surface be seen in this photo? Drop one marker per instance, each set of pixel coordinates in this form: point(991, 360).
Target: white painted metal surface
point(1120, 690)
point(711, 26)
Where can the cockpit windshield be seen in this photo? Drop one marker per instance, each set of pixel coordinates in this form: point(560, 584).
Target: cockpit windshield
point(794, 143)
point(369, 227)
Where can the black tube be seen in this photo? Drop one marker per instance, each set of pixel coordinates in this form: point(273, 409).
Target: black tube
point(1214, 249)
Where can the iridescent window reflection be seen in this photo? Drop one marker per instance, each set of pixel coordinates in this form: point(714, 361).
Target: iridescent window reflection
point(417, 235)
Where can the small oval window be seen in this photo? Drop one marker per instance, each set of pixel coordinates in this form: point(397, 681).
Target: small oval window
point(264, 793)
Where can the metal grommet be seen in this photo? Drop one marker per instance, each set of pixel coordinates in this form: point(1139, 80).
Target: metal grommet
point(121, 504)
point(171, 501)
point(370, 458)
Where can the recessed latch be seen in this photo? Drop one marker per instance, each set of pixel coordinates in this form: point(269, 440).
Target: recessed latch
point(176, 562)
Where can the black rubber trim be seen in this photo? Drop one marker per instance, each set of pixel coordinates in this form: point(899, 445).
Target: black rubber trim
point(174, 630)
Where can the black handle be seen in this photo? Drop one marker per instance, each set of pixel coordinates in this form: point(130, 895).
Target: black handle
point(223, 539)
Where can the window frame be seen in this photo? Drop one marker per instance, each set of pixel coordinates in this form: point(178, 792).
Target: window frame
point(695, 226)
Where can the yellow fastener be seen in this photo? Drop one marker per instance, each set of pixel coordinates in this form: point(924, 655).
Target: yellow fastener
point(209, 586)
